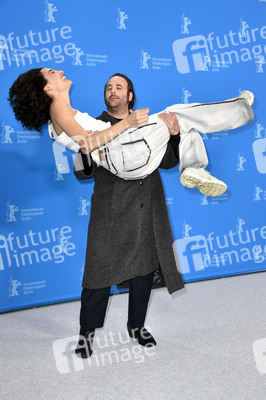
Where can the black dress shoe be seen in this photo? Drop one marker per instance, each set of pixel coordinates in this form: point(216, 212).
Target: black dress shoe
point(144, 337)
point(84, 346)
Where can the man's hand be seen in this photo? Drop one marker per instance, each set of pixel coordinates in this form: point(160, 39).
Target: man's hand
point(171, 121)
point(138, 117)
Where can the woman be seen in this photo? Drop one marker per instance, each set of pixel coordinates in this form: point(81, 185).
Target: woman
point(40, 94)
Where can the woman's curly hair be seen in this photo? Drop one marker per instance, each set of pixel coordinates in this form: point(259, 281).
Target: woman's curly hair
point(29, 101)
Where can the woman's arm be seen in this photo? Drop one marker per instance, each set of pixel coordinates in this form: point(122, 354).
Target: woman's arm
point(63, 120)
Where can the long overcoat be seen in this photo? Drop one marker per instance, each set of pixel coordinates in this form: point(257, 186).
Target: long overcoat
point(129, 232)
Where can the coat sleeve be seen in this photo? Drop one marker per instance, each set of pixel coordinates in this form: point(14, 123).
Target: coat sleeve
point(171, 157)
point(84, 166)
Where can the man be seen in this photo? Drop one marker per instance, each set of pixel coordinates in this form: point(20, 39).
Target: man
point(129, 235)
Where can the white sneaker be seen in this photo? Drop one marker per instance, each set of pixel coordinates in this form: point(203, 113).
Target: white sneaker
point(249, 96)
point(202, 180)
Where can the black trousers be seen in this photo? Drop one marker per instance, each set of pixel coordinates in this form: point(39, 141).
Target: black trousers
point(94, 303)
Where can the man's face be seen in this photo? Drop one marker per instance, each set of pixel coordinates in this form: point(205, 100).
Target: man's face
point(116, 93)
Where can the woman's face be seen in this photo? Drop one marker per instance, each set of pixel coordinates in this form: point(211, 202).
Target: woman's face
point(56, 81)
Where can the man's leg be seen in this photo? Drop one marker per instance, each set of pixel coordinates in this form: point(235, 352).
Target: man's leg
point(93, 308)
point(139, 294)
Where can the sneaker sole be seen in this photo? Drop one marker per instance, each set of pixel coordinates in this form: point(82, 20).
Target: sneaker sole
point(208, 188)
point(248, 96)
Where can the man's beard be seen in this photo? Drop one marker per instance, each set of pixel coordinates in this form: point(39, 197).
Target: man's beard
point(110, 106)
point(116, 106)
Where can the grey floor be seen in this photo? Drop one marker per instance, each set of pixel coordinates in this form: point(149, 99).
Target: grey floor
point(205, 338)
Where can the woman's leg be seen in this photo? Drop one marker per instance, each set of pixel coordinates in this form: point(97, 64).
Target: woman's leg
point(192, 151)
point(213, 117)
point(206, 118)
point(193, 160)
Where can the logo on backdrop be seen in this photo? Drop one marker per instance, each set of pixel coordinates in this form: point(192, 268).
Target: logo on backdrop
point(147, 62)
point(239, 245)
point(76, 56)
point(186, 229)
point(259, 150)
point(259, 130)
point(243, 30)
point(185, 24)
point(240, 222)
point(7, 130)
point(122, 17)
point(144, 58)
point(204, 200)
point(10, 136)
point(259, 64)
point(259, 193)
point(213, 200)
point(169, 200)
point(93, 59)
point(191, 54)
point(50, 9)
point(57, 174)
point(214, 135)
point(83, 204)
point(36, 47)
point(211, 52)
point(186, 94)
point(240, 162)
point(13, 287)
point(26, 214)
point(205, 136)
point(11, 210)
point(33, 248)
point(4, 52)
point(193, 253)
point(17, 288)
point(64, 158)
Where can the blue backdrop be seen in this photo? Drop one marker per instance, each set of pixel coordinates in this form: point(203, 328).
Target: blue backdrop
point(185, 51)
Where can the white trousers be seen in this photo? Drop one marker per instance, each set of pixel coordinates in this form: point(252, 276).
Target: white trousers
point(206, 118)
point(137, 152)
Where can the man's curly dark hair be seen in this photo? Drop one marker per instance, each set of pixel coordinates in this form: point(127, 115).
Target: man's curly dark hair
point(29, 101)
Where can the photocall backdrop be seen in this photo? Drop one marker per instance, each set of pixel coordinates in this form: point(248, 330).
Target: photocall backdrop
point(179, 52)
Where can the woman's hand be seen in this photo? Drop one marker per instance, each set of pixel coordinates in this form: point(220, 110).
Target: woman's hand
point(85, 151)
point(84, 145)
point(138, 117)
point(171, 121)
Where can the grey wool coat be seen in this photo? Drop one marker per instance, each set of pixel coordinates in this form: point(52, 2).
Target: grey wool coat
point(129, 232)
